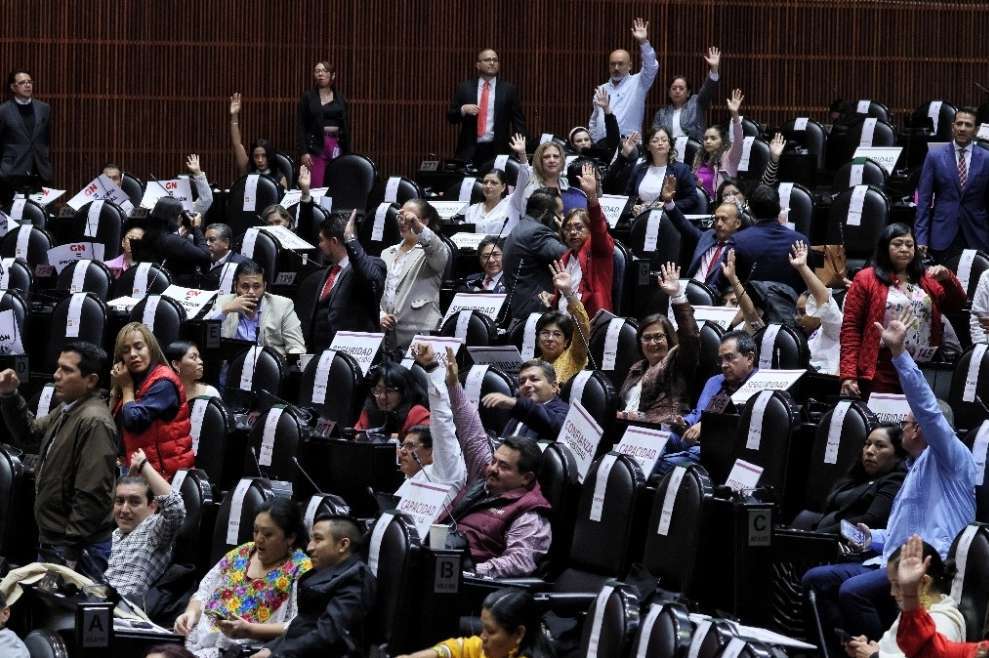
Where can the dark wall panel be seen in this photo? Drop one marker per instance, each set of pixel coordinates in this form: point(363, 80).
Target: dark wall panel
point(143, 82)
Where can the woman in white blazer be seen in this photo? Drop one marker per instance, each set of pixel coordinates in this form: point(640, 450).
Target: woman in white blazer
point(410, 304)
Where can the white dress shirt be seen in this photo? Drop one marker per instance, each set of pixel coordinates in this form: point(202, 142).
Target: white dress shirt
point(628, 97)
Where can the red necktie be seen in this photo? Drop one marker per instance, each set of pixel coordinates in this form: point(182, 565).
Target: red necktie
point(328, 286)
point(482, 115)
point(487, 283)
point(714, 259)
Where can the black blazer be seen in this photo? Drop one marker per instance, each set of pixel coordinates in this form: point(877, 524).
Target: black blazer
point(210, 277)
point(632, 174)
point(354, 302)
point(310, 122)
point(508, 117)
point(529, 250)
point(867, 502)
point(21, 153)
point(334, 604)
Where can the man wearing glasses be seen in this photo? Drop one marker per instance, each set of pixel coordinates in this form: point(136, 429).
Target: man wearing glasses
point(24, 139)
point(488, 111)
point(489, 279)
point(936, 501)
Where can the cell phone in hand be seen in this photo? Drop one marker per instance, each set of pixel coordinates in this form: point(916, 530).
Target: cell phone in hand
point(218, 615)
point(852, 533)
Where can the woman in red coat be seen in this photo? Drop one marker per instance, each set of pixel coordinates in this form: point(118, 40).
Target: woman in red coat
point(148, 400)
point(590, 259)
point(395, 401)
point(896, 281)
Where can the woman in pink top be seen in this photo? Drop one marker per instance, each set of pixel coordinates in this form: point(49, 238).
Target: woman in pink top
point(125, 260)
point(718, 159)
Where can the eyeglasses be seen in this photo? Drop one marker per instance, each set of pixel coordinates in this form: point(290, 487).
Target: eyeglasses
point(378, 391)
point(551, 334)
point(654, 338)
point(21, 83)
point(574, 228)
point(408, 446)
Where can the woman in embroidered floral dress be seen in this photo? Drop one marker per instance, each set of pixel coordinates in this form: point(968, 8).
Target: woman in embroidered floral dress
point(250, 594)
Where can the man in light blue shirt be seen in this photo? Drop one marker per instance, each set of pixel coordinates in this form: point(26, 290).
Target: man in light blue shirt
point(627, 91)
point(936, 501)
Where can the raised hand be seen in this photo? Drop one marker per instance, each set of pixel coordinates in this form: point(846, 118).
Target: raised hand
point(911, 569)
point(350, 230)
point(498, 401)
point(192, 164)
point(137, 458)
point(713, 58)
point(588, 180)
point(8, 382)
point(305, 179)
point(798, 255)
point(562, 280)
point(517, 144)
point(452, 369)
point(776, 147)
point(630, 144)
point(120, 377)
point(424, 355)
point(185, 622)
point(669, 281)
point(640, 30)
point(850, 389)
point(235, 104)
point(894, 334)
point(306, 159)
point(728, 267)
point(602, 99)
point(669, 190)
point(735, 102)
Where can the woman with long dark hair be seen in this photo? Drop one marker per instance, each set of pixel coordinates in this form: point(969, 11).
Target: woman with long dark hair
point(511, 627)
point(897, 281)
point(324, 131)
point(395, 401)
point(262, 157)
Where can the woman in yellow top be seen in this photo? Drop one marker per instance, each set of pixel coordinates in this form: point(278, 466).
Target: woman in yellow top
point(510, 628)
point(560, 338)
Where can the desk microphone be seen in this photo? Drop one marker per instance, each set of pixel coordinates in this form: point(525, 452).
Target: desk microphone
point(257, 464)
point(422, 467)
point(295, 460)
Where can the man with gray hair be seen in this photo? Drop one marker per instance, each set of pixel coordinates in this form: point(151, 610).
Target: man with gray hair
point(218, 240)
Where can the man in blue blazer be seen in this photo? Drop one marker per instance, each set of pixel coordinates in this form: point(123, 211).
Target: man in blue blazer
point(712, 245)
point(951, 208)
point(761, 251)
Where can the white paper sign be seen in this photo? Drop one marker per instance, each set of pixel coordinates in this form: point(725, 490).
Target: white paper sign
point(669, 500)
point(768, 345)
point(391, 189)
point(642, 648)
point(766, 380)
point(140, 288)
point(46, 195)
point(644, 445)
point(785, 190)
point(601, 487)
point(600, 605)
point(800, 123)
point(754, 438)
point(469, 241)
point(466, 189)
point(488, 304)
point(743, 163)
point(322, 377)
point(577, 385)
point(972, 376)
point(934, 113)
point(268, 435)
point(652, 230)
point(250, 239)
point(424, 502)
point(863, 106)
point(680, 148)
point(362, 346)
point(884, 156)
point(179, 189)
point(196, 417)
point(72, 323)
point(101, 187)
point(247, 372)
point(979, 448)
point(251, 193)
point(447, 210)
point(529, 336)
point(890, 408)
point(611, 343)
point(965, 267)
point(439, 345)
point(23, 239)
point(743, 476)
point(581, 433)
point(834, 431)
point(17, 208)
point(463, 320)
point(191, 299)
point(45, 401)
point(868, 130)
point(612, 206)
point(378, 228)
point(503, 357)
point(855, 175)
point(855, 204)
point(291, 198)
point(287, 239)
point(93, 219)
point(236, 506)
point(61, 256)
point(227, 273)
point(150, 306)
point(10, 334)
point(545, 138)
point(982, 134)
point(472, 386)
point(719, 315)
point(703, 626)
point(377, 535)
point(501, 162)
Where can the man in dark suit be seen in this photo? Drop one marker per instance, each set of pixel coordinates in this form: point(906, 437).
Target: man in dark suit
point(488, 111)
point(335, 597)
point(491, 277)
point(529, 250)
point(24, 139)
point(951, 208)
point(761, 251)
point(350, 295)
